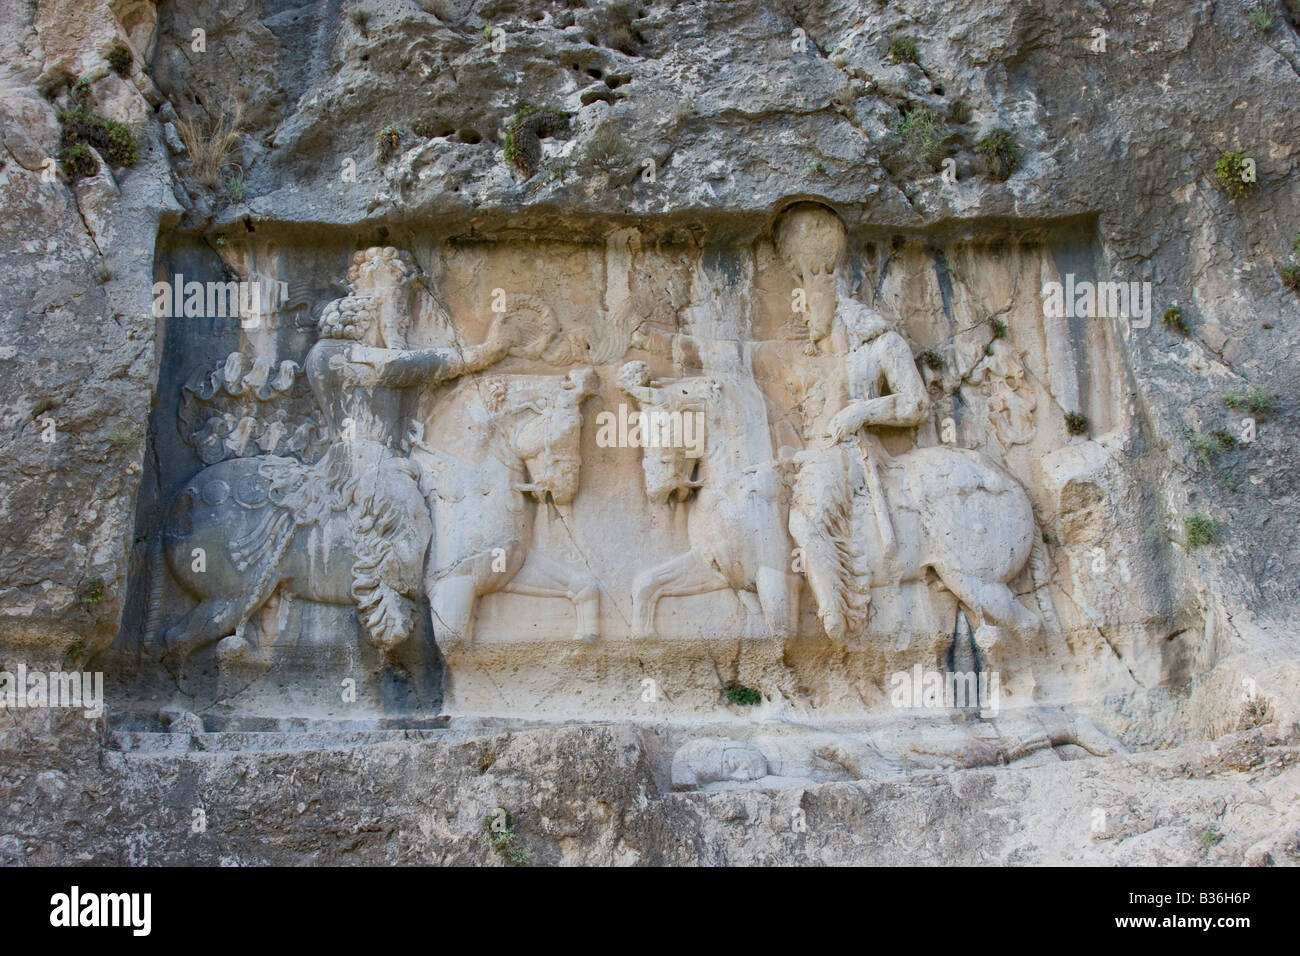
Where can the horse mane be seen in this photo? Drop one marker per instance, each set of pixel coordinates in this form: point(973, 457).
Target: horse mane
point(829, 512)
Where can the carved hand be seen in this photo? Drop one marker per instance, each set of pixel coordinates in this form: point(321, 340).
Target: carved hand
point(480, 357)
point(846, 423)
point(496, 347)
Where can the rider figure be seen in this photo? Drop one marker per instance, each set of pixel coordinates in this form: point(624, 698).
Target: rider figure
point(361, 372)
point(869, 380)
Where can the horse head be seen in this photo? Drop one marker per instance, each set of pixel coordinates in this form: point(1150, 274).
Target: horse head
point(543, 421)
point(669, 410)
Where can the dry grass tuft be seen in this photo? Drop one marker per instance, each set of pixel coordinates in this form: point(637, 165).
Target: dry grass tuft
point(211, 143)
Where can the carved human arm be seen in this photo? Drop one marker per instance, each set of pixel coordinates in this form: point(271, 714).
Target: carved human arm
point(906, 405)
point(401, 368)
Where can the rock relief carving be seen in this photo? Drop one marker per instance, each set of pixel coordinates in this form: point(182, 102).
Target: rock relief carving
point(354, 527)
point(1010, 402)
point(519, 449)
point(735, 520)
point(862, 517)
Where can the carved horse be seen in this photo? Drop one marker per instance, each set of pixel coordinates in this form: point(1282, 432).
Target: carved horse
point(736, 522)
point(509, 443)
point(479, 508)
point(949, 510)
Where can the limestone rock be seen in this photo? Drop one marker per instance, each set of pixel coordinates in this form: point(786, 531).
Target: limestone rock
point(718, 433)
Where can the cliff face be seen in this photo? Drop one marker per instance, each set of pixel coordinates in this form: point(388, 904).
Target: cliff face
point(619, 208)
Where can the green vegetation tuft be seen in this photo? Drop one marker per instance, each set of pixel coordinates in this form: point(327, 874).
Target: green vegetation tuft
point(1210, 838)
point(523, 147)
point(504, 841)
point(388, 142)
point(1076, 423)
point(1200, 529)
point(1173, 320)
point(80, 128)
point(1228, 171)
point(1290, 277)
point(999, 329)
point(74, 652)
point(236, 188)
point(902, 49)
point(924, 135)
point(743, 696)
point(119, 60)
point(92, 592)
point(931, 359)
point(1001, 154)
point(1260, 18)
point(1257, 400)
point(1204, 447)
point(1208, 445)
point(77, 161)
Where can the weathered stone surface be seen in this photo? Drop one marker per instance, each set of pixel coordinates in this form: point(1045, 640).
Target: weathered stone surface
point(420, 565)
point(601, 795)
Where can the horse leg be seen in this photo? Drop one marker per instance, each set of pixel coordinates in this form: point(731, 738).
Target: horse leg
point(269, 618)
point(213, 619)
point(451, 600)
point(677, 577)
point(778, 594)
point(541, 576)
point(992, 599)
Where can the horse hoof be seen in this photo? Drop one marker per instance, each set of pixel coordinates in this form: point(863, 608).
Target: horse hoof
point(586, 638)
point(173, 663)
point(234, 650)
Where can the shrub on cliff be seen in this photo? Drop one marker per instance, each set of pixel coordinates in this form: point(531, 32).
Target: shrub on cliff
point(1234, 172)
point(523, 149)
point(1001, 154)
point(924, 136)
point(81, 128)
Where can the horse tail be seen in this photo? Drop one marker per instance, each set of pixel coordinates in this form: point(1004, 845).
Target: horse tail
point(386, 615)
